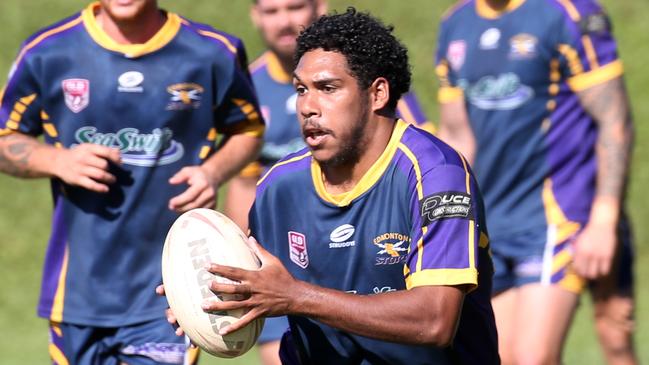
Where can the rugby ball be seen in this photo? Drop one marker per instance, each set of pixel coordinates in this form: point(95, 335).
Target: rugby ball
point(197, 238)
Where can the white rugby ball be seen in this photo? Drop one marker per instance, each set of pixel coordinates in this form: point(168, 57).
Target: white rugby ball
point(197, 238)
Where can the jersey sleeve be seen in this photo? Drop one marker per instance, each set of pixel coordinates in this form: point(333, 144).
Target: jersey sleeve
point(587, 51)
point(20, 101)
point(237, 110)
point(445, 234)
point(448, 53)
point(409, 109)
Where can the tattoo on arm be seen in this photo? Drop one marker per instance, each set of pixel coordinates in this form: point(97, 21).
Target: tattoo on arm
point(15, 152)
point(608, 104)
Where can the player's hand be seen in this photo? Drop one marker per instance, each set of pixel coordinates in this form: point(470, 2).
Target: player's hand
point(160, 290)
point(201, 192)
point(266, 292)
point(86, 165)
point(594, 250)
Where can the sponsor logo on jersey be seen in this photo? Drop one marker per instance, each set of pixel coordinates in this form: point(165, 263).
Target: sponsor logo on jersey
point(393, 248)
point(138, 149)
point(595, 23)
point(76, 93)
point(503, 92)
point(456, 54)
point(130, 82)
point(449, 204)
point(297, 249)
point(489, 39)
point(340, 237)
point(184, 96)
point(385, 289)
point(522, 46)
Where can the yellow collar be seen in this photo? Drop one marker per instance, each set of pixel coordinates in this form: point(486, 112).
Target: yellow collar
point(275, 69)
point(159, 40)
point(486, 11)
point(368, 180)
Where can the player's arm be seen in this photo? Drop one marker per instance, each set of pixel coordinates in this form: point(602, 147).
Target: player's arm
point(455, 129)
point(85, 165)
point(608, 104)
point(426, 315)
point(241, 194)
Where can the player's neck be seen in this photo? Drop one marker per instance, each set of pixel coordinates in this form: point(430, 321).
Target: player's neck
point(134, 31)
point(285, 62)
point(340, 179)
point(497, 4)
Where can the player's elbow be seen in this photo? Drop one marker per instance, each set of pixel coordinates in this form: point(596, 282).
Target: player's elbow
point(438, 334)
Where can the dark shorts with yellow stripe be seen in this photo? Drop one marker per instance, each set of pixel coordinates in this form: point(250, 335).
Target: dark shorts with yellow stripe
point(148, 343)
point(544, 256)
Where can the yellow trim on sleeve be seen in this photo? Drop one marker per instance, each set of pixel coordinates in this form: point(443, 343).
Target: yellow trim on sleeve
point(44, 115)
point(290, 160)
point(571, 9)
point(211, 135)
point(220, 38)
point(45, 35)
point(443, 277)
point(471, 221)
point(159, 40)
point(253, 169)
point(591, 55)
point(449, 94)
point(50, 129)
point(205, 150)
point(59, 296)
point(420, 196)
point(57, 355)
point(369, 179)
point(595, 77)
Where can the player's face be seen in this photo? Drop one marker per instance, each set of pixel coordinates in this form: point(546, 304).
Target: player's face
point(128, 10)
point(333, 110)
point(280, 22)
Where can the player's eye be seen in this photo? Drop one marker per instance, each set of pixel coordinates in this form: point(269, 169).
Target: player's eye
point(328, 89)
point(300, 90)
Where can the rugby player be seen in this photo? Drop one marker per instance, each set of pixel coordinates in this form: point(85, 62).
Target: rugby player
point(374, 235)
point(128, 98)
point(532, 94)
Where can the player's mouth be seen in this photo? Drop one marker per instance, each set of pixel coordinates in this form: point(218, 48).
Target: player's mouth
point(315, 137)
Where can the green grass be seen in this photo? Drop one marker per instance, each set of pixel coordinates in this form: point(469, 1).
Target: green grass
point(26, 208)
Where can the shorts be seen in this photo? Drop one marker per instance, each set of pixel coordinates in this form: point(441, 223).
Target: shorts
point(148, 343)
point(274, 328)
point(537, 256)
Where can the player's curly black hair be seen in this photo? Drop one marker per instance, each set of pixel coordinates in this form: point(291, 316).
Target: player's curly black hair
point(369, 46)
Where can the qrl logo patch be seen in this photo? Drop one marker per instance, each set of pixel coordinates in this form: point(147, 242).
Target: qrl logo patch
point(76, 93)
point(456, 54)
point(297, 249)
point(450, 204)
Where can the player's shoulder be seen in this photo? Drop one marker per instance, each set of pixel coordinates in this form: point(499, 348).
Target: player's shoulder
point(55, 32)
point(289, 170)
point(577, 11)
point(259, 64)
point(426, 152)
point(460, 9)
point(211, 37)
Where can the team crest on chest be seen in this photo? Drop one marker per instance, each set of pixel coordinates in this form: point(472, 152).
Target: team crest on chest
point(456, 54)
point(297, 249)
point(76, 93)
point(393, 248)
point(522, 46)
point(185, 96)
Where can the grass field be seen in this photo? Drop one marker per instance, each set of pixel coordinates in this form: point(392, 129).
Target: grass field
point(25, 213)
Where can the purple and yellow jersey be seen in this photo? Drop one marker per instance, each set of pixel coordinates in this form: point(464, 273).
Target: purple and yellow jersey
point(414, 219)
point(161, 104)
point(519, 71)
point(277, 101)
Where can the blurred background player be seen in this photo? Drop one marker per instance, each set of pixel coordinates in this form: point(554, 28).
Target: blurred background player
point(532, 94)
point(279, 22)
point(128, 98)
point(377, 226)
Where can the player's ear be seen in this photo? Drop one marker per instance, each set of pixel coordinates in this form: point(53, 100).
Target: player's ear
point(254, 14)
point(321, 7)
point(379, 93)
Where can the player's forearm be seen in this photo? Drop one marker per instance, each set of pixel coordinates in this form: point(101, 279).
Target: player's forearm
point(413, 317)
point(234, 155)
point(24, 156)
point(608, 105)
point(455, 128)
